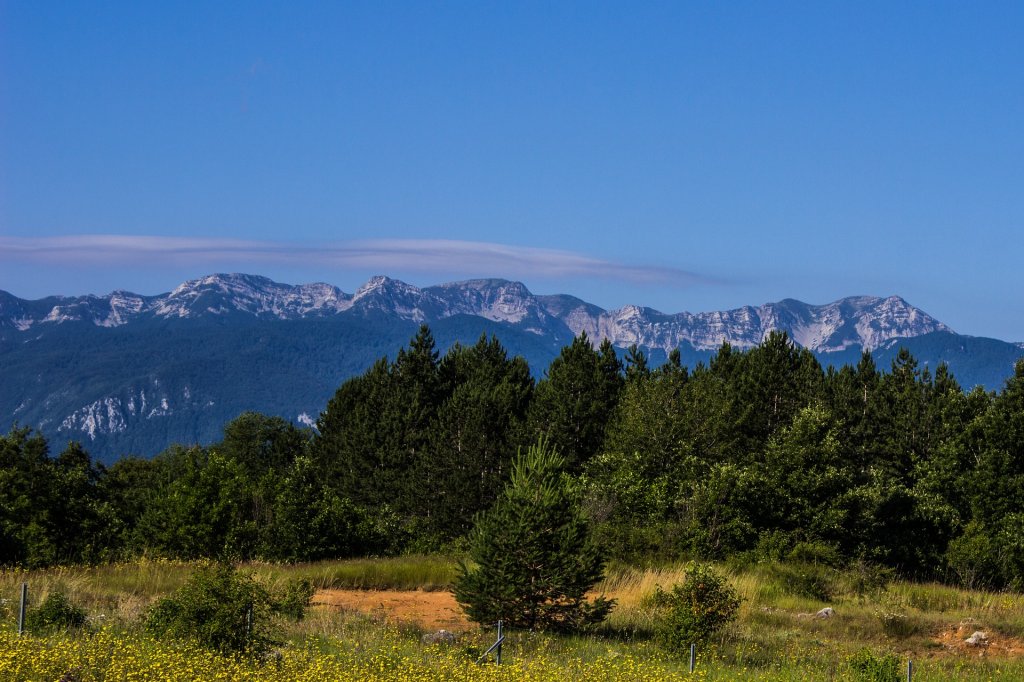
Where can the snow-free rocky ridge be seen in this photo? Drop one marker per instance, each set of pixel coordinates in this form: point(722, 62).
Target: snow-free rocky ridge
point(863, 321)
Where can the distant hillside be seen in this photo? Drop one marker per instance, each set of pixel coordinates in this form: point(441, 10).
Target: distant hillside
point(128, 373)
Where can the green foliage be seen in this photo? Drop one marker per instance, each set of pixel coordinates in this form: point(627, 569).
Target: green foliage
point(479, 425)
point(51, 509)
point(803, 477)
point(695, 609)
point(573, 402)
point(54, 614)
point(646, 456)
point(260, 444)
point(867, 578)
point(871, 667)
point(221, 608)
point(896, 623)
point(199, 511)
point(294, 598)
point(310, 521)
point(771, 383)
point(973, 559)
point(717, 511)
point(451, 426)
point(535, 559)
point(758, 456)
point(812, 581)
point(814, 553)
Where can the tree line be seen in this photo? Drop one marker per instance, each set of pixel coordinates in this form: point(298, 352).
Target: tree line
point(758, 455)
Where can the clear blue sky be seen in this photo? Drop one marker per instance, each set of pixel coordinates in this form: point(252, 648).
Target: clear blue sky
point(681, 155)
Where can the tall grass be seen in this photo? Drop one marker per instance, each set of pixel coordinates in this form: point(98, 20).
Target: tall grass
point(776, 636)
point(414, 572)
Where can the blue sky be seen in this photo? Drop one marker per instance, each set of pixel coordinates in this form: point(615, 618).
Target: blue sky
point(685, 156)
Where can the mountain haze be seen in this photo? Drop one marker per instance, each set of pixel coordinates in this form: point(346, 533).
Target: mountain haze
point(131, 373)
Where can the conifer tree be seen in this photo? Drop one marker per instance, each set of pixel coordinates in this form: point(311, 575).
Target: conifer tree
point(475, 436)
point(574, 402)
point(775, 379)
point(351, 448)
point(636, 364)
point(535, 556)
point(997, 486)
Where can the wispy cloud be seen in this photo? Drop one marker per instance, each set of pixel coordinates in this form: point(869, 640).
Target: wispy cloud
point(465, 258)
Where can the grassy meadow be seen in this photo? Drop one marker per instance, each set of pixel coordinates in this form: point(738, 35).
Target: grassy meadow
point(776, 636)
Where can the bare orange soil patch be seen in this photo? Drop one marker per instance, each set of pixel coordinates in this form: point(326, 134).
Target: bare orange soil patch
point(428, 610)
point(996, 644)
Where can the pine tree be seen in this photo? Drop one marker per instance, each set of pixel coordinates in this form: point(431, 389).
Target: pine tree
point(407, 420)
point(375, 432)
point(352, 447)
point(636, 364)
point(535, 556)
point(774, 381)
point(476, 433)
point(997, 485)
point(649, 421)
point(574, 402)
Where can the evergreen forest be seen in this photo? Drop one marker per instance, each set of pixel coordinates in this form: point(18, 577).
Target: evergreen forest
point(755, 455)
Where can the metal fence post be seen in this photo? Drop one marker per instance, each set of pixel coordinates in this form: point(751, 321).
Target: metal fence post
point(496, 647)
point(693, 656)
point(910, 670)
point(497, 653)
point(21, 609)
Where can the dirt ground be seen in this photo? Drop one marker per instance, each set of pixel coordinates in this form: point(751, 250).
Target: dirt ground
point(428, 610)
point(438, 610)
point(997, 645)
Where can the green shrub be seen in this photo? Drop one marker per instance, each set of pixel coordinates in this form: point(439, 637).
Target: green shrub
point(55, 613)
point(219, 607)
point(972, 558)
point(294, 599)
point(772, 546)
point(534, 554)
point(866, 578)
point(872, 667)
point(897, 624)
point(812, 581)
point(695, 609)
point(815, 553)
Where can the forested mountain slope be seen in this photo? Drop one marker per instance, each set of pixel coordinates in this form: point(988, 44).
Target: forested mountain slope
point(126, 373)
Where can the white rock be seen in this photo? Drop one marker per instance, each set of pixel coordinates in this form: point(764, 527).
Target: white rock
point(979, 638)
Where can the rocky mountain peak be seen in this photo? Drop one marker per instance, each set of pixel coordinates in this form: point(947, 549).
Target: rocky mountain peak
point(380, 285)
point(865, 321)
point(153, 377)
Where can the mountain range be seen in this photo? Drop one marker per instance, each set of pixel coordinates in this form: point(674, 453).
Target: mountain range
point(126, 373)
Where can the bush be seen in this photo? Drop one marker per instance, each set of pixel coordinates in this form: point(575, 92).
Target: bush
point(294, 599)
point(872, 667)
point(972, 558)
point(812, 581)
point(897, 624)
point(220, 608)
point(695, 609)
point(815, 553)
point(536, 559)
point(867, 578)
point(772, 546)
point(55, 613)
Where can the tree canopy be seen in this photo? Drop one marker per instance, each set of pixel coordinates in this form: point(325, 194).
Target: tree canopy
point(760, 452)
